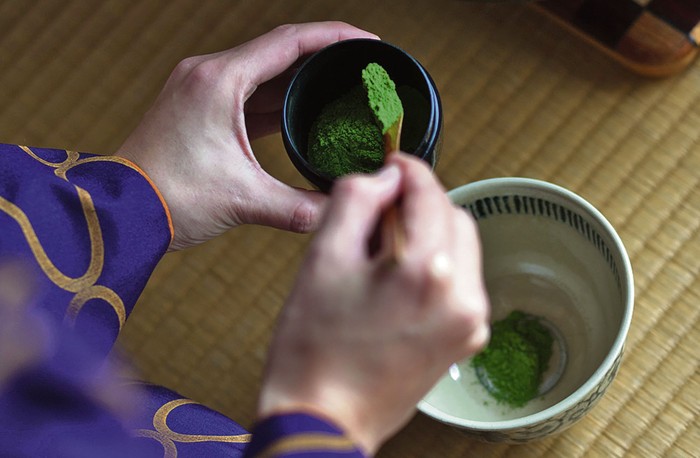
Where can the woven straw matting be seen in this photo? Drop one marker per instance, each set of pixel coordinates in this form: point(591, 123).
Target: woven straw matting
point(521, 97)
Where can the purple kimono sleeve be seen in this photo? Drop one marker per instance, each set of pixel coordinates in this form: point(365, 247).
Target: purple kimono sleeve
point(91, 228)
point(300, 435)
point(80, 235)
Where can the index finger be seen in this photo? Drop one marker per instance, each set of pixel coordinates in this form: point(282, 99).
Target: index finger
point(280, 48)
point(425, 205)
point(354, 208)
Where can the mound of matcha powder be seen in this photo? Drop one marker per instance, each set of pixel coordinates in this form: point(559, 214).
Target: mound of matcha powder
point(345, 138)
point(516, 357)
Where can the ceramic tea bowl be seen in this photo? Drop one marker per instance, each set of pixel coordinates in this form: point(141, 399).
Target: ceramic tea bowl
point(549, 253)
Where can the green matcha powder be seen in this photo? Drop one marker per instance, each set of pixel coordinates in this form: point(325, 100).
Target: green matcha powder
point(512, 365)
point(381, 96)
point(347, 135)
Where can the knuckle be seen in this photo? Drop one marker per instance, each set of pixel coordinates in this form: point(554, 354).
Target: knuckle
point(198, 77)
point(470, 331)
point(466, 320)
point(476, 323)
point(286, 29)
point(289, 33)
point(437, 282)
point(475, 303)
point(478, 340)
point(303, 218)
point(437, 274)
point(184, 67)
point(203, 72)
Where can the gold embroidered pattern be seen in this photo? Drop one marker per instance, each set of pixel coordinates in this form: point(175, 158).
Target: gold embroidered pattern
point(97, 250)
point(84, 286)
point(73, 160)
point(169, 448)
point(308, 442)
point(96, 292)
point(167, 437)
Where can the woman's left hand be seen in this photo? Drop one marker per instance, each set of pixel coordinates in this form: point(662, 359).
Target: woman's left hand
point(194, 143)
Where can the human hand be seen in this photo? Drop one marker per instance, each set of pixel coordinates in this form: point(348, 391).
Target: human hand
point(361, 340)
point(194, 143)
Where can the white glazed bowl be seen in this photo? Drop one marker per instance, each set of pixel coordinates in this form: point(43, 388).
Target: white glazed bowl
point(549, 253)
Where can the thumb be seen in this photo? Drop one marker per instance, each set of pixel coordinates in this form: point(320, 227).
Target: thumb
point(284, 207)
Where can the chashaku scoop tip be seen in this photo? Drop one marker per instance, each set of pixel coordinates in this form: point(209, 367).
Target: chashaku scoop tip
point(383, 100)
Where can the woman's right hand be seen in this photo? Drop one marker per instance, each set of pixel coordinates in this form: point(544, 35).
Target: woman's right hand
point(361, 339)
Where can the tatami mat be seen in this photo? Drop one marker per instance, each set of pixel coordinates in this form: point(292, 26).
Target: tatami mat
point(521, 97)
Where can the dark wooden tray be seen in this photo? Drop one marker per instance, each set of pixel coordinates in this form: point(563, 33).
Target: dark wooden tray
point(651, 37)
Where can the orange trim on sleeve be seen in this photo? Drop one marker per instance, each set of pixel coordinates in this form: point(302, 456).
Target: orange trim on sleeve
point(132, 165)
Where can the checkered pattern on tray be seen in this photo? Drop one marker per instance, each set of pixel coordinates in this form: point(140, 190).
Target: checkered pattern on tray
point(608, 21)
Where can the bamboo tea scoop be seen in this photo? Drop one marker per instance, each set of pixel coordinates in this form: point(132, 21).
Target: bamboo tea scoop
point(388, 112)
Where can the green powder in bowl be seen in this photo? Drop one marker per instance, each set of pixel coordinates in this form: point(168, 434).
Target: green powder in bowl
point(512, 365)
